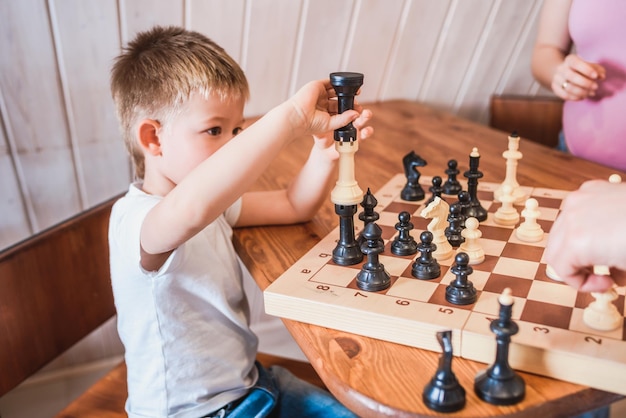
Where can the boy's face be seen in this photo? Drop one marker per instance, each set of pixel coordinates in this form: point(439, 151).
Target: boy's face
point(196, 133)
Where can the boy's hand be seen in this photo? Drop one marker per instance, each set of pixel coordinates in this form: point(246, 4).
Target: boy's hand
point(326, 141)
point(314, 109)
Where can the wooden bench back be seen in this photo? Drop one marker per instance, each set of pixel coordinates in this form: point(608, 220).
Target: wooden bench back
point(533, 117)
point(54, 290)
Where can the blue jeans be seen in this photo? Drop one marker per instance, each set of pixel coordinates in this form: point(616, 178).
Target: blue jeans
point(279, 394)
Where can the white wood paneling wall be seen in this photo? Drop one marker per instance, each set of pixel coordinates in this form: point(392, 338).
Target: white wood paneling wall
point(60, 149)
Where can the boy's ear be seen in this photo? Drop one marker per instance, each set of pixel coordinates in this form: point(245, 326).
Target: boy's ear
point(148, 136)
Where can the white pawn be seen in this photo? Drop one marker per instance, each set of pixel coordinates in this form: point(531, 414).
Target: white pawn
point(471, 246)
point(506, 214)
point(530, 230)
point(602, 314)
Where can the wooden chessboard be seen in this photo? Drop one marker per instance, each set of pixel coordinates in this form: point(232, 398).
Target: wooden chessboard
point(552, 341)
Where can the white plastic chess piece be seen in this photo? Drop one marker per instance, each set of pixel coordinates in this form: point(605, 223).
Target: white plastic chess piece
point(552, 274)
point(602, 314)
point(512, 155)
point(471, 246)
point(506, 297)
point(346, 191)
point(438, 210)
point(506, 214)
point(530, 230)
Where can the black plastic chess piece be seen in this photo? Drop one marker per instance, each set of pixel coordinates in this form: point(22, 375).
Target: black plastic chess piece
point(464, 203)
point(444, 393)
point(452, 186)
point(347, 252)
point(475, 209)
point(404, 243)
point(435, 189)
point(372, 276)
point(500, 384)
point(456, 222)
point(412, 190)
point(461, 290)
point(368, 214)
point(426, 267)
point(346, 85)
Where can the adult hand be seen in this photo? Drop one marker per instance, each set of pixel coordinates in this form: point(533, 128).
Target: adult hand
point(590, 231)
point(577, 79)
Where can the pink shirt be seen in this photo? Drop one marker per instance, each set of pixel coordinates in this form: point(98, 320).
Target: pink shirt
point(595, 128)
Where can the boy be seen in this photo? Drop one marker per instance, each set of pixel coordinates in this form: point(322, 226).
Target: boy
point(182, 313)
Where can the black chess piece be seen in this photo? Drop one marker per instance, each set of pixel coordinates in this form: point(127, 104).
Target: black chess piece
point(444, 393)
point(347, 252)
point(475, 209)
point(464, 203)
point(368, 214)
point(435, 189)
point(426, 267)
point(452, 186)
point(500, 384)
point(412, 190)
point(372, 276)
point(404, 243)
point(461, 290)
point(456, 222)
point(346, 85)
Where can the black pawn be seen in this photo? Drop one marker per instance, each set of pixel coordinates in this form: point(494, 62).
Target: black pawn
point(452, 186)
point(464, 203)
point(444, 393)
point(372, 276)
point(426, 267)
point(368, 214)
point(461, 290)
point(475, 209)
point(456, 222)
point(404, 244)
point(412, 190)
point(435, 189)
point(500, 384)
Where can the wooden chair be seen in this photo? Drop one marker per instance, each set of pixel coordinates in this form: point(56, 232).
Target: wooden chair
point(54, 290)
point(535, 118)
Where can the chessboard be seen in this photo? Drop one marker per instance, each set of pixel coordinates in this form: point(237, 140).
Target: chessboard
point(552, 340)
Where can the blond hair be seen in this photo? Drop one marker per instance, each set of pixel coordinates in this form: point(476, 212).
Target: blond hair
point(157, 73)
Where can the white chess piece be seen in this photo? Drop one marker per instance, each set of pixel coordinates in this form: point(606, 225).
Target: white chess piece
point(552, 274)
point(346, 191)
point(602, 314)
point(512, 155)
point(530, 230)
point(506, 214)
point(438, 210)
point(471, 246)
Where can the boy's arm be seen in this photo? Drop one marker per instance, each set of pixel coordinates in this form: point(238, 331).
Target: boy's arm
point(217, 182)
point(309, 189)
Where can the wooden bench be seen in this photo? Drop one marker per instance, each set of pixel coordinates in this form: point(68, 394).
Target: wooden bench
point(55, 290)
point(533, 117)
